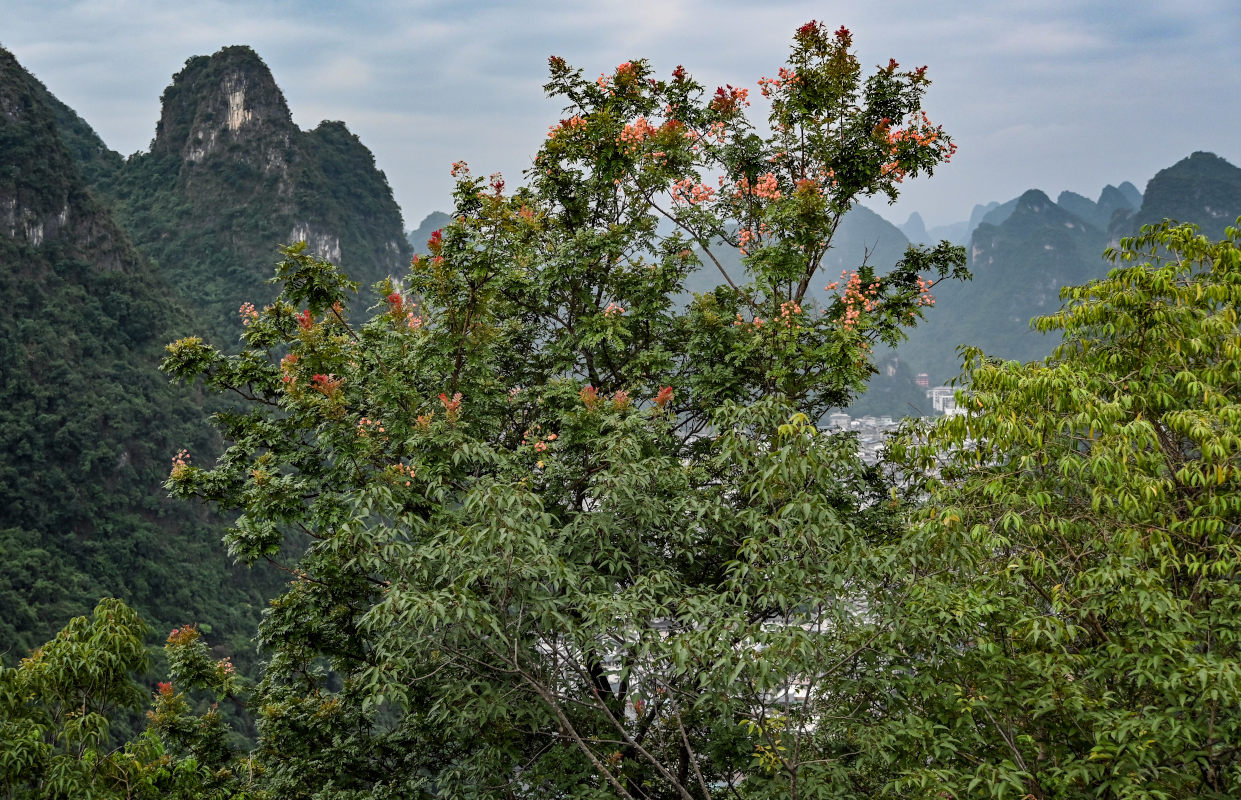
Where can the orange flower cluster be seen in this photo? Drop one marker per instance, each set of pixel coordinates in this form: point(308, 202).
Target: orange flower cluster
point(664, 397)
point(921, 133)
point(685, 191)
point(767, 85)
point(404, 472)
point(571, 124)
point(729, 99)
point(540, 442)
point(452, 407)
point(590, 398)
point(807, 186)
point(366, 425)
point(400, 310)
point(327, 385)
point(613, 310)
point(248, 313)
point(766, 187)
point(286, 366)
point(180, 463)
point(637, 132)
point(184, 635)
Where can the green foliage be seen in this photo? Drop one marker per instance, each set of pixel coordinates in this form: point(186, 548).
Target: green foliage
point(1078, 633)
point(549, 532)
point(57, 705)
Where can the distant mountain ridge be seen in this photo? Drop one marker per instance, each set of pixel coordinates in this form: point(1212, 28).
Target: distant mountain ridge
point(1024, 251)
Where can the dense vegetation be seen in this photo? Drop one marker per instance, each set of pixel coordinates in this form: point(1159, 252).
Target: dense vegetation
point(554, 532)
point(553, 517)
point(88, 423)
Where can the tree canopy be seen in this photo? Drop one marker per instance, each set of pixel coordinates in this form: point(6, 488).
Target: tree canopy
point(548, 532)
point(1083, 637)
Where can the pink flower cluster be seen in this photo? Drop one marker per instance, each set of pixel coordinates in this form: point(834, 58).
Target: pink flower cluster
point(788, 313)
point(180, 463)
point(856, 298)
point(613, 310)
point(685, 191)
point(248, 313)
point(765, 187)
point(767, 85)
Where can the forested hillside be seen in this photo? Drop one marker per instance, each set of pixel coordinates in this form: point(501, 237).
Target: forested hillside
point(1024, 251)
point(88, 424)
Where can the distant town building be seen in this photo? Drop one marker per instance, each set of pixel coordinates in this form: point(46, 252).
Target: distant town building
point(943, 400)
point(923, 380)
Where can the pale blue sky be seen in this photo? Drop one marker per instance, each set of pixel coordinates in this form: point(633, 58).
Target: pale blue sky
point(1056, 94)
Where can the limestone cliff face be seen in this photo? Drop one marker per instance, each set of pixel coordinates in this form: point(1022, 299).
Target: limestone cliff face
point(43, 198)
point(225, 102)
point(230, 177)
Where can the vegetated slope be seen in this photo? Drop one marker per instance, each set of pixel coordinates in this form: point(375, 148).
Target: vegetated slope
point(230, 177)
point(1020, 261)
point(87, 422)
point(1019, 266)
point(1203, 189)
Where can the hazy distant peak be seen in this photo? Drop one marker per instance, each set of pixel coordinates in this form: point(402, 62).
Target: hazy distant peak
point(1131, 194)
point(915, 229)
point(980, 211)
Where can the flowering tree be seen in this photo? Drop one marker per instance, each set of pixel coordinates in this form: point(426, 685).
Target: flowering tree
point(549, 533)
